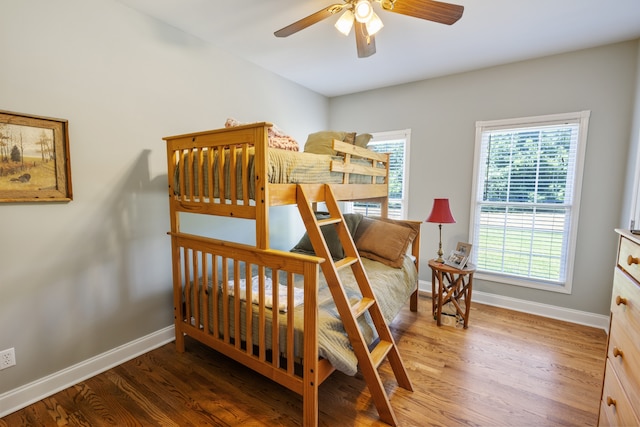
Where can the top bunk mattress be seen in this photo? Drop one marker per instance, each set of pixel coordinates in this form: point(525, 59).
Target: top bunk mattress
point(283, 167)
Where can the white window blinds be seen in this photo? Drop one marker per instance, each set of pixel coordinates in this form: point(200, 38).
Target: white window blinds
point(396, 143)
point(526, 198)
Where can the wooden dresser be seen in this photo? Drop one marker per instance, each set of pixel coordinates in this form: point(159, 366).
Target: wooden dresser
point(620, 403)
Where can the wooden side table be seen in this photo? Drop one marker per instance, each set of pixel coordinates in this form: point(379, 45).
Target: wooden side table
point(450, 284)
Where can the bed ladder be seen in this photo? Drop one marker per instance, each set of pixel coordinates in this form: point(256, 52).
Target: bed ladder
point(368, 359)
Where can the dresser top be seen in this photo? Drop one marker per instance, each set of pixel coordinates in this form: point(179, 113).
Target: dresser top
point(629, 235)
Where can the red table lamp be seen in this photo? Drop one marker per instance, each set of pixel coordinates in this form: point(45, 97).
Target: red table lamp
point(440, 214)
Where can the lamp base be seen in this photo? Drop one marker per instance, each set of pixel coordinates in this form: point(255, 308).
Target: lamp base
point(440, 252)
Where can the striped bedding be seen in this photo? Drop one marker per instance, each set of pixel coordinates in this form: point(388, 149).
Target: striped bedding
point(284, 167)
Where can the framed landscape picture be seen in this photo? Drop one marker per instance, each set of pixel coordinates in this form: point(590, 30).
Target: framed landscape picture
point(34, 159)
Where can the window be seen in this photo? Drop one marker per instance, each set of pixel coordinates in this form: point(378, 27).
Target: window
point(525, 200)
point(396, 143)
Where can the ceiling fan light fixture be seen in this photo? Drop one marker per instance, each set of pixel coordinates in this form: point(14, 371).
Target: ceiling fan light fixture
point(360, 13)
point(374, 24)
point(345, 22)
point(363, 11)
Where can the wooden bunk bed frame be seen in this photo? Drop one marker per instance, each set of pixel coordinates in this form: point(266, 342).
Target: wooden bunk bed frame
point(270, 351)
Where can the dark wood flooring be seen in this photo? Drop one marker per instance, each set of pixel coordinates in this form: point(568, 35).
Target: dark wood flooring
point(506, 369)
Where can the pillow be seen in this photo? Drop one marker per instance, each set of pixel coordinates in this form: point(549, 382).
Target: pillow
point(320, 142)
point(363, 139)
point(330, 233)
point(385, 240)
point(350, 138)
point(277, 138)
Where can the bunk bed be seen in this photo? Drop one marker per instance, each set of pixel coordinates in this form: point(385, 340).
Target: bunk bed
point(331, 314)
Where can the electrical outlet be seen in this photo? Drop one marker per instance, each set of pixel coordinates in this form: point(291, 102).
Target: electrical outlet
point(7, 358)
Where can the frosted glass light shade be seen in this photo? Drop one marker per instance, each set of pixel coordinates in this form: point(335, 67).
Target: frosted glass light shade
point(374, 24)
point(345, 23)
point(363, 11)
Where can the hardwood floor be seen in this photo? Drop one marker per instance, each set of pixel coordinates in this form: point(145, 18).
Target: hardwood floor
point(506, 369)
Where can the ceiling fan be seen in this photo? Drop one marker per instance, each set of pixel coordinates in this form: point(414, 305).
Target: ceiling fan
point(368, 23)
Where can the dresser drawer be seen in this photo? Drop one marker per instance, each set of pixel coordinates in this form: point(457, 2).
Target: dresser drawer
point(625, 302)
point(629, 258)
point(615, 408)
point(623, 356)
point(603, 419)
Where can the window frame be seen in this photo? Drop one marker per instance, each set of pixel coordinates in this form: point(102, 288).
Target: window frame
point(580, 118)
point(634, 213)
point(381, 137)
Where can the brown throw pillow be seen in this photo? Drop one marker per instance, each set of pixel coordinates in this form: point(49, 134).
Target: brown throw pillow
point(363, 139)
point(350, 138)
point(321, 142)
point(385, 240)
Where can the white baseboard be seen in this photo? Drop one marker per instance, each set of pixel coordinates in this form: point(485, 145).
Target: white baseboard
point(21, 397)
point(560, 313)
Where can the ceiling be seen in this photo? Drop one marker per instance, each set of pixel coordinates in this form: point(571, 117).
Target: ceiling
point(490, 32)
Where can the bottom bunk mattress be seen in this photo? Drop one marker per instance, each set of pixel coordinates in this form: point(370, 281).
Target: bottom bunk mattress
point(392, 288)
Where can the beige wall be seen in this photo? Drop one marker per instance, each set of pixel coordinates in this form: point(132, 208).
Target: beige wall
point(631, 206)
point(79, 279)
point(442, 113)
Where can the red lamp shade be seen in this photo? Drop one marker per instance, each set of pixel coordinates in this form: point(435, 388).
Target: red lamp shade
point(440, 213)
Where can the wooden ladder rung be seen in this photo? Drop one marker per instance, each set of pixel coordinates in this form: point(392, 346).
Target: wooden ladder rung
point(362, 306)
point(345, 262)
point(327, 221)
point(380, 351)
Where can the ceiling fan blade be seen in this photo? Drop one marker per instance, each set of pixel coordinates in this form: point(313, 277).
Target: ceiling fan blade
point(365, 43)
point(309, 20)
point(436, 11)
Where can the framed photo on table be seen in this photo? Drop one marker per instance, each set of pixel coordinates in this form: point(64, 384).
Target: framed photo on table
point(460, 256)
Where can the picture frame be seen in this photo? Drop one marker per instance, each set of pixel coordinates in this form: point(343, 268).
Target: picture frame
point(35, 164)
point(464, 248)
point(459, 257)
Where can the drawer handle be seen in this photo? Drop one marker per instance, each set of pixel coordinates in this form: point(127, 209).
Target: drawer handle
point(617, 352)
point(621, 300)
point(611, 401)
point(631, 260)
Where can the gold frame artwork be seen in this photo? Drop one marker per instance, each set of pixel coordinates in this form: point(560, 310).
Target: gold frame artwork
point(34, 159)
